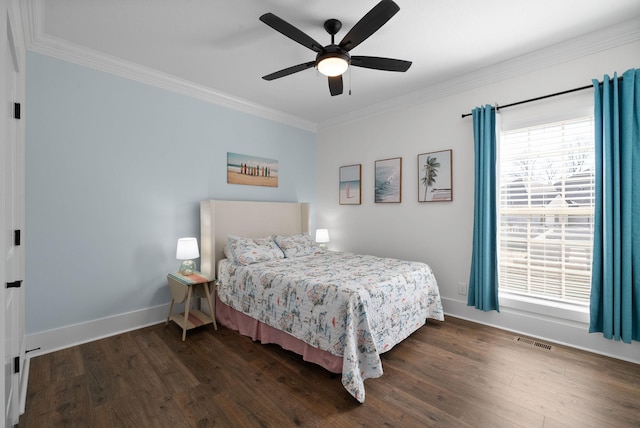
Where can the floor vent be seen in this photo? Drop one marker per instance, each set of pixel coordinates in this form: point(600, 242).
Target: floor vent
point(534, 343)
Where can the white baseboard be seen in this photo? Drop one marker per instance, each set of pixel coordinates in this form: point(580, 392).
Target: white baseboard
point(24, 382)
point(564, 332)
point(547, 328)
point(72, 335)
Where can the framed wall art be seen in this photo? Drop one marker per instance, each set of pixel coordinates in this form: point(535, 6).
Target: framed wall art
point(251, 170)
point(388, 180)
point(434, 176)
point(350, 189)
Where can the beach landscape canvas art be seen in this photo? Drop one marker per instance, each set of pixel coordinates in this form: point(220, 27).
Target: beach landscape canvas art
point(388, 180)
point(349, 188)
point(251, 170)
point(434, 176)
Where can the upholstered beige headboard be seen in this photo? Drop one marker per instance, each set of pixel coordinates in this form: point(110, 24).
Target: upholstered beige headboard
point(218, 219)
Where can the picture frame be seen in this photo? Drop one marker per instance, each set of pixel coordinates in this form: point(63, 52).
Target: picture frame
point(435, 182)
point(251, 170)
point(388, 180)
point(350, 189)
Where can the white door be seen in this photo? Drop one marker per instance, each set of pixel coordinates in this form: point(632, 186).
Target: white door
point(12, 220)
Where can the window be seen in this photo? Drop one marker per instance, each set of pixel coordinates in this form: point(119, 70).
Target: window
point(546, 200)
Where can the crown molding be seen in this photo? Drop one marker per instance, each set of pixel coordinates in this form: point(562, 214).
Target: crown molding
point(39, 42)
point(597, 41)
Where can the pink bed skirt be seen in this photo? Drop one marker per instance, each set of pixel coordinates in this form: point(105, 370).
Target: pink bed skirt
point(247, 326)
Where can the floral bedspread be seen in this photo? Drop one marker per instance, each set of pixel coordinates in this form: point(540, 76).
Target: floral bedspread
point(353, 306)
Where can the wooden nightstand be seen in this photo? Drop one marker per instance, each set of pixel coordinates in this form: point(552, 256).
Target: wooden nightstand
point(183, 288)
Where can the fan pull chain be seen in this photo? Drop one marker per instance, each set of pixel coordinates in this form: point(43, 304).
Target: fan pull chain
point(349, 81)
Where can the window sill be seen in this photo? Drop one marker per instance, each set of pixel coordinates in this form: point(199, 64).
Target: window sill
point(566, 311)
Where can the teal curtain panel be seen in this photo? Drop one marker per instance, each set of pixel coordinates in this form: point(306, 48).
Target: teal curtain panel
point(615, 285)
point(483, 280)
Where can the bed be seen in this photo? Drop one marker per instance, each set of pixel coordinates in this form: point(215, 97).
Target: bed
point(338, 310)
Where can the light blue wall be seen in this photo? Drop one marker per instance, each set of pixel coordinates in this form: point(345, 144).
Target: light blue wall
point(115, 171)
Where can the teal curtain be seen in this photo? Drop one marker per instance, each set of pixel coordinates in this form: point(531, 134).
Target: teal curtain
point(483, 280)
point(615, 284)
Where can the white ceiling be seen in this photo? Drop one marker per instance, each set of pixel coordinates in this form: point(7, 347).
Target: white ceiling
point(221, 47)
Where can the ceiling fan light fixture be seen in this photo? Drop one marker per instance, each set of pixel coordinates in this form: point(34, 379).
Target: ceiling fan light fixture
point(333, 64)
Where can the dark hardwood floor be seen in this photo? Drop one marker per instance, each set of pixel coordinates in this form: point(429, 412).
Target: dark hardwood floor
point(454, 373)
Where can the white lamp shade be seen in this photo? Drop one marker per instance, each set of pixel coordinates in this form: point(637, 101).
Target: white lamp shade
point(322, 235)
point(187, 249)
point(333, 66)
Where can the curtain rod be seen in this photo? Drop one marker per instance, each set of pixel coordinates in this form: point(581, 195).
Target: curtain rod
point(582, 88)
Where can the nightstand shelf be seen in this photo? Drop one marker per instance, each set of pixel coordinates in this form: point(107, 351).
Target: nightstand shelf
point(184, 288)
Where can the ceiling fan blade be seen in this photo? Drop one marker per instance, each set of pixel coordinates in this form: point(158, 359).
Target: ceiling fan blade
point(290, 31)
point(369, 24)
point(377, 63)
point(335, 85)
point(289, 70)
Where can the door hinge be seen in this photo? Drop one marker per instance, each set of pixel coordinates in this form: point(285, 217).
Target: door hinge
point(16, 365)
point(16, 237)
point(14, 284)
point(16, 110)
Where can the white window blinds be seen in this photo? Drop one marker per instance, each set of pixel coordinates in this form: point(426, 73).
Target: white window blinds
point(546, 199)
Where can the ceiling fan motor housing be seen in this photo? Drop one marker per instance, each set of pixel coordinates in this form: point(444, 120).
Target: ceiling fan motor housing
point(333, 51)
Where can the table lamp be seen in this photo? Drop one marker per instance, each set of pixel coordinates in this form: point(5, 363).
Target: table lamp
point(187, 251)
point(322, 237)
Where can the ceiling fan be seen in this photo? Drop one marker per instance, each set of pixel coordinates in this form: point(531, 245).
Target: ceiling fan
point(333, 60)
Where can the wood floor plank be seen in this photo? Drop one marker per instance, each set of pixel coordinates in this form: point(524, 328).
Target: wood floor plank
point(471, 405)
point(454, 373)
point(170, 370)
point(141, 410)
point(63, 403)
point(66, 364)
point(468, 382)
point(573, 404)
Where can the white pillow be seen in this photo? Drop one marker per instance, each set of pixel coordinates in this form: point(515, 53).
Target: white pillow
point(297, 245)
point(227, 252)
point(247, 251)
